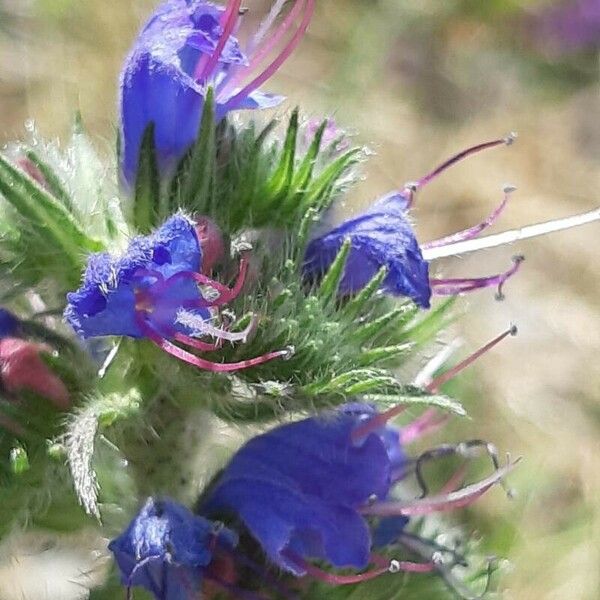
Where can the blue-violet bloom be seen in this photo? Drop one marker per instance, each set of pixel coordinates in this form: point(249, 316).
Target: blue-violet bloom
point(9, 324)
point(185, 47)
point(304, 490)
point(166, 550)
point(153, 291)
point(383, 237)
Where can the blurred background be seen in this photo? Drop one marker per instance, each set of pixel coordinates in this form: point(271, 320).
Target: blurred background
point(415, 81)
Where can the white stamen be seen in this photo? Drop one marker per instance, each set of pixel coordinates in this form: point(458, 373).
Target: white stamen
point(202, 327)
point(509, 237)
point(266, 25)
point(394, 566)
point(426, 374)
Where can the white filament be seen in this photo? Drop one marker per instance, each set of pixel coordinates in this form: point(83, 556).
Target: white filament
point(509, 237)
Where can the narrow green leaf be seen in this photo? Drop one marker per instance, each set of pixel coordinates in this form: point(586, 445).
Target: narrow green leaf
point(355, 306)
point(443, 402)
point(429, 325)
point(376, 355)
point(195, 194)
point(147, 185)
point(45, 214)
point(281, 179)
point(54, 183)
point(305, 170)
point(331, 282)
point(319, 193)
point(393, 319)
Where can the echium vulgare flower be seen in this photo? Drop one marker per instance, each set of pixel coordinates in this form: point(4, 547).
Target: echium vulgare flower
point(323, 489)
point(168, 551)
point(157, 290)
point(186, 47)
point(383, 236)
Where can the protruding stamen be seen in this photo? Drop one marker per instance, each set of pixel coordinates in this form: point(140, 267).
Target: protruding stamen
point(442, 502)
point(440, 380)
point(413, 187)
point(201, 363)
point(509, 237)
point(203, 327)
point(472, 232)
point(430, 421)
point(376, 422)
point(455, 286)
point(399, 566)
point(464, 449)
point(309, 7)
point(207, 63)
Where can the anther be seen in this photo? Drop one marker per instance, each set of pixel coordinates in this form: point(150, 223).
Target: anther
point(511, 138)
point(288, 352)
point(509, 189)
point(394, 566)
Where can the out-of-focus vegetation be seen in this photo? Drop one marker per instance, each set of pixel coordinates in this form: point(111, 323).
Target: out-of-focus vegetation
point(416, 80)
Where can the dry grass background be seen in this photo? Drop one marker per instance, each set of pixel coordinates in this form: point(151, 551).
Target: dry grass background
point(416, 84)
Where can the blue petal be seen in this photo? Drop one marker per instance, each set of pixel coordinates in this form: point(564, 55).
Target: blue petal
point(388, 531)
point(165, 548)
point(298, 487)
point(105, 302)
point(9, 324)
point(157, 84)
point(382, 236)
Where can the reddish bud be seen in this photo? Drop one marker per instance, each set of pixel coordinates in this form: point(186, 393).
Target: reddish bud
point(22, 368)
point(212, 244)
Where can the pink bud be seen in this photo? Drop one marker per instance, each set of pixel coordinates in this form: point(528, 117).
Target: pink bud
point(21, 368)
point(27, 165)
point(212, 244)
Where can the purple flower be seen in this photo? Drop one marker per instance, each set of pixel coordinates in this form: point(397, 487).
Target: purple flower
point(185, 47)
point(153, 292)
point(166, 550)
point(9, 324)
point(573, 25)
point(304, 490)
point(383, 236)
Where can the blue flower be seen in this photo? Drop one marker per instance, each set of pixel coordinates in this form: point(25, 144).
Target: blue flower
point(186, 46)
point(324, 489)
point(298, 489)
point(116, 291)
point(153, 291)
point(166, 550)
point(9, 324)
point(381, 237)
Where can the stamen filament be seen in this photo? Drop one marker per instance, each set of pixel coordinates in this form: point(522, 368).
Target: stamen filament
point(472, 232)
point(440, 380)
point(207, 63)
point(453, 287)
point(414, 186)
point(377, 422)
point(279, 60)
point(442, 502)
point(430, 421)
point(201, 363)
point(509, 237)
point(260, 54)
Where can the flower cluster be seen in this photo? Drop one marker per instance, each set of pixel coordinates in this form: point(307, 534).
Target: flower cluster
point(212, 243)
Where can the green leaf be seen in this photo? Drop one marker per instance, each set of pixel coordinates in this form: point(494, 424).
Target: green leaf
point(410, 395)
point(53, 182)
point(147, 185)
point(355, 306)
point(195, 192)
point(282, 178)
point(45, 214)
point(371, 329)
point(331, 282)
point(305, 170)
point(376, 355)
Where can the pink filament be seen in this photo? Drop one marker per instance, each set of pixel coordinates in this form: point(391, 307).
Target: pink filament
point(403, 565)
point(474, 231)
point(431, 420)
point(455, 481)
point(206, 64)
point(279, 60)
point(441, 502)
point(226, 294)
point(268, 45)
point(377, 422)
point(440, 380)
point(201, 363)
point(452, 287)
